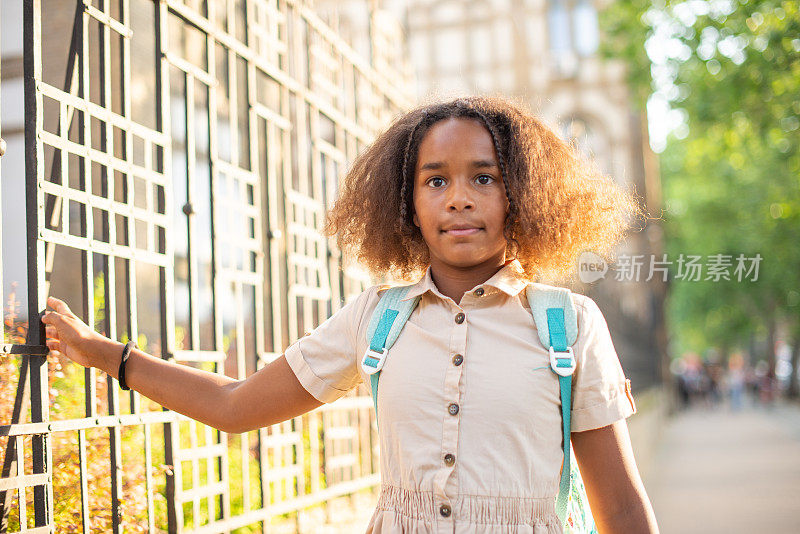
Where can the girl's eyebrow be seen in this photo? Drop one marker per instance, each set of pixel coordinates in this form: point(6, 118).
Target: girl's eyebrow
point(478, 164)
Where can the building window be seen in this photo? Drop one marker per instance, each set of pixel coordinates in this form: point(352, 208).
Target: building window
point(558, 27)
point(584, 18)
point(573, 27)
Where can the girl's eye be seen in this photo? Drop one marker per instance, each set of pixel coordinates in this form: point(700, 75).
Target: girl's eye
point(436, 181)
point(484, 179)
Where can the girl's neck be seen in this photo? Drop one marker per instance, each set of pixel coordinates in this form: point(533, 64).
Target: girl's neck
point(453, 281)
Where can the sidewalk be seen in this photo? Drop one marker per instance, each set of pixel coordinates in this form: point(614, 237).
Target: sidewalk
point(716, 471)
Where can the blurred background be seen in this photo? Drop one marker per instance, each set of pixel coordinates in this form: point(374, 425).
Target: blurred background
point(165, 170)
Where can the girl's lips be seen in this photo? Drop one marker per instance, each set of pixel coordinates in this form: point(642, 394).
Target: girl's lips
point(462, 231)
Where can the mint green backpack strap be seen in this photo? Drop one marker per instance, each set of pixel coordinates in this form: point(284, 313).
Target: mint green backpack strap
point(557, 324)
point(387, 321)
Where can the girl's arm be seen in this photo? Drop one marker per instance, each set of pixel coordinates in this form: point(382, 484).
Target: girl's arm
point(616, 494)
point(271, 395)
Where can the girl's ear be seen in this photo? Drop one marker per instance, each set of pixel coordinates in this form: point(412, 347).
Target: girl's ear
point(415, 219)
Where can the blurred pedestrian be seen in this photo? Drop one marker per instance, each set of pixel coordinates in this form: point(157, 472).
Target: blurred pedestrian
point(736, 381)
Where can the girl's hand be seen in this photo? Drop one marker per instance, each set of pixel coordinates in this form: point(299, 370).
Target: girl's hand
point(68, 335)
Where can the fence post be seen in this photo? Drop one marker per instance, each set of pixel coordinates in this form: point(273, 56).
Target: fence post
point(34, 201)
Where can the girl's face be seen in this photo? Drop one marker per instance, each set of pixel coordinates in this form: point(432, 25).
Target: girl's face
point(459, 198)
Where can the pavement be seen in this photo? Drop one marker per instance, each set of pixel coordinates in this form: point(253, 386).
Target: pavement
point(719, 471)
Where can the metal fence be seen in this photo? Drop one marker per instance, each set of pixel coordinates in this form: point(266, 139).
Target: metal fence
point(179, 157)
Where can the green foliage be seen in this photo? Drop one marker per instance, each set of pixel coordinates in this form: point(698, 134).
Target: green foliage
point(730, 175)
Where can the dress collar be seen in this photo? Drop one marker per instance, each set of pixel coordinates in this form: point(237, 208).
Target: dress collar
point(510, 279)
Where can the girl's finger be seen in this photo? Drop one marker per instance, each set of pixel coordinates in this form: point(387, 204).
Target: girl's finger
point(52, 344)
point(50, 317)
point(59, 305)
point(51, 332)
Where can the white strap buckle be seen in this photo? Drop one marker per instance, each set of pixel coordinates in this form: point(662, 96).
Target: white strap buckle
point(556, 356)
point(373, 361)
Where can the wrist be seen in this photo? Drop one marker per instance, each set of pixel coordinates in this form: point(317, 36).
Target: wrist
point(107, 355)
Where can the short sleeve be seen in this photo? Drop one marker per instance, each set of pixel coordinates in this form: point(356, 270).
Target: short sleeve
point(325, 360)
point(601, 394)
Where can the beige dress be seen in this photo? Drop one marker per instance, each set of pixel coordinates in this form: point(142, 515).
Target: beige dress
point(469, 410)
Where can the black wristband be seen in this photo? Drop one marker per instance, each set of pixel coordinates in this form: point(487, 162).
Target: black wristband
point(126, 352)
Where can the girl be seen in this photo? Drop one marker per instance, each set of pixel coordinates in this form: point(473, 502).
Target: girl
point(484, 198)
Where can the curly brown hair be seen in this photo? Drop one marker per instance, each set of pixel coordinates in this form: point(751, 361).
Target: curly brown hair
point(559, 204)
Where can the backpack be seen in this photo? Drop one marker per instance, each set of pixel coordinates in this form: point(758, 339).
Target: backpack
point(556, 321)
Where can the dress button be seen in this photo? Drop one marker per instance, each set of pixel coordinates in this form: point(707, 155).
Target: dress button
point(479, 292)
point(445, 510)
point(460, 318)
point(457, 359)
point(452, 409)
point(449, 459)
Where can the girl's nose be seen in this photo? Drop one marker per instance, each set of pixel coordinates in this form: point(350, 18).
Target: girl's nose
point(459, 197)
